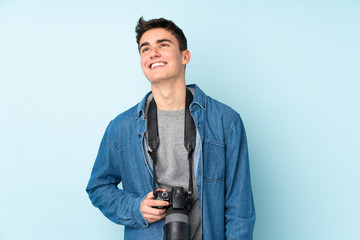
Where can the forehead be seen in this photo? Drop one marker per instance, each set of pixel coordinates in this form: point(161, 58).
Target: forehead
point(152, 35)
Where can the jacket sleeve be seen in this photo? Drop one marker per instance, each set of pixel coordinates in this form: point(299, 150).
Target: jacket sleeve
point(239, 205)
point(120, 206)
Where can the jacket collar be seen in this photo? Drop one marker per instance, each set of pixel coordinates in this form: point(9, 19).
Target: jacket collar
point(199, 99)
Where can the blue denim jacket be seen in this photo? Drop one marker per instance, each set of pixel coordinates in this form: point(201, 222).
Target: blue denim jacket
point(220, 162)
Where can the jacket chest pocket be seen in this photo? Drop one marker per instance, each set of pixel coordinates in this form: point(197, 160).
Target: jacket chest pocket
point(214, 161)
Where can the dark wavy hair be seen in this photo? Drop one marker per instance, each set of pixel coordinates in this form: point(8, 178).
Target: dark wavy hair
point(143, 26)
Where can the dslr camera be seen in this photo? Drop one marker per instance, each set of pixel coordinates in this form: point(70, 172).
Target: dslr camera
point(177, 226)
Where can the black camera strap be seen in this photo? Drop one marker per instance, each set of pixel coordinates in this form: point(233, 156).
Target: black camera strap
point(189, 138)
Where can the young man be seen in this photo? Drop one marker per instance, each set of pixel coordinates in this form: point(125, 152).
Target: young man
point(222, 203)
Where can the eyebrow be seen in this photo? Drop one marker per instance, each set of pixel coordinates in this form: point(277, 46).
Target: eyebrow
point(157, 41)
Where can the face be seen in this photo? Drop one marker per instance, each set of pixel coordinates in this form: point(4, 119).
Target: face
point(161, 58)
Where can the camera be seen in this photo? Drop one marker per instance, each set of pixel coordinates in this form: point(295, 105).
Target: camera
point(176, 225)
point(162, 196)
point(177, 198)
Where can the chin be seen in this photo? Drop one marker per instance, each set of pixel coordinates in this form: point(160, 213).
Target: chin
point(156, 79)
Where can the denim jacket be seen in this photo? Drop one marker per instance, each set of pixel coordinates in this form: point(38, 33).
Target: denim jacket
point(221, 167)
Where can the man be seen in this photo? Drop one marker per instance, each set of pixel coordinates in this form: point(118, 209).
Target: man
point(222, 202)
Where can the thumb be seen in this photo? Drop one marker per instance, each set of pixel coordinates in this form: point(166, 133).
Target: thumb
point(150, 195)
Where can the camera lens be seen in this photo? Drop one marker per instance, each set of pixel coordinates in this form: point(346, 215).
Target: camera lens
point(177, 225)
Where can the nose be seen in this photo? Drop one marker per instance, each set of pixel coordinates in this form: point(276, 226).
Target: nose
point(155, 53)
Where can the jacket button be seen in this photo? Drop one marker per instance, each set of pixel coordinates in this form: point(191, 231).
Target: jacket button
point(139, 135)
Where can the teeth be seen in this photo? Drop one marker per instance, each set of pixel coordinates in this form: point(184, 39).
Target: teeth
point(157, 64)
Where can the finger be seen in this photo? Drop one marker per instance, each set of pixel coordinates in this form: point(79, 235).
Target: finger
point(154, 218)
point(147, 208)
point(151, 194)
point(160, 189)
point(154, 211)
point(155, 203)
point(153, 214)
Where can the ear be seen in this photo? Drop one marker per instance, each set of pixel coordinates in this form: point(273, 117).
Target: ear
point(186, 55)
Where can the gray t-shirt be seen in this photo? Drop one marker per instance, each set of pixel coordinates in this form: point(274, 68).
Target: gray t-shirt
point(172, 168)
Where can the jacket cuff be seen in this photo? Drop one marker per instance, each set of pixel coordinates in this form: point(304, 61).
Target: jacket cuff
point(142, 223)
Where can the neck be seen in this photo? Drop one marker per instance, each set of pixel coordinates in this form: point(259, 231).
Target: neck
point(169, 96)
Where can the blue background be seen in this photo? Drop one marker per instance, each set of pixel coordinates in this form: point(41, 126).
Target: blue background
point(290, 68)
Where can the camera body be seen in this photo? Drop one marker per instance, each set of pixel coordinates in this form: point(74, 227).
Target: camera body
point(177, 225)
point(177, 198)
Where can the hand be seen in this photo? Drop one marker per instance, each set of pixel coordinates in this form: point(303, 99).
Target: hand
point(153, 214)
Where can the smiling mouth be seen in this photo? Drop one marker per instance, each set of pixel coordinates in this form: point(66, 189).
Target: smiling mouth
point(157, 64)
